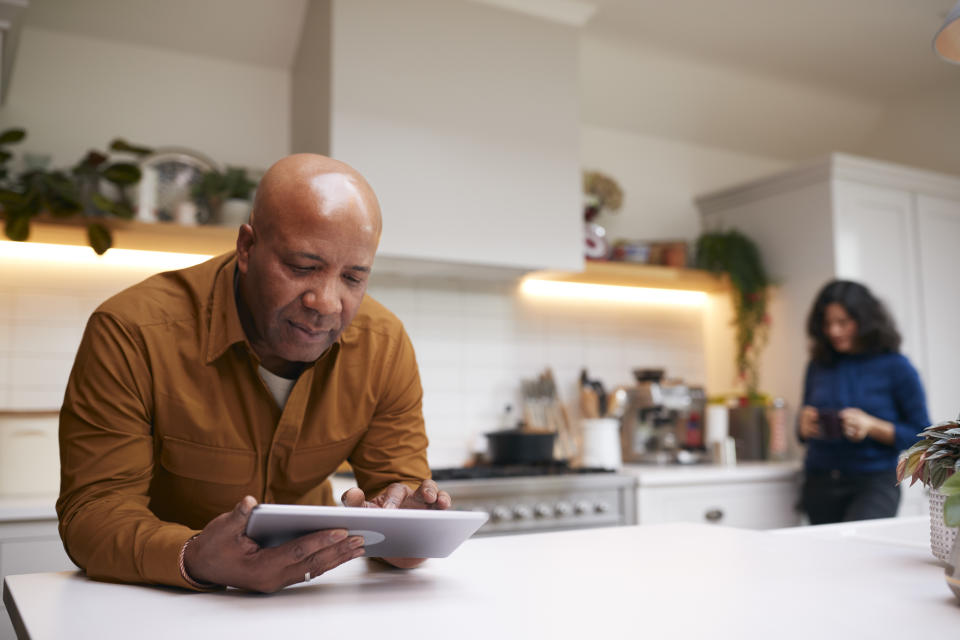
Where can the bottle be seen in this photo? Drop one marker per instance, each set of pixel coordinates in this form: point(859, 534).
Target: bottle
point(777, 419)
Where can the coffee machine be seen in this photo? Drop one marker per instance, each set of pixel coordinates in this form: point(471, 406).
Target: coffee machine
point(663, 420)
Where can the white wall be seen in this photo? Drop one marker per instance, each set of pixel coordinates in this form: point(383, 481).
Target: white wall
point(660, 178)
point(74, 93)
point(645, 89)
point(474, 342)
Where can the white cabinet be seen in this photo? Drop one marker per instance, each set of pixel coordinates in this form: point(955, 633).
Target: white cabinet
point(29, 546)
point(749, 495)
point(893, 228)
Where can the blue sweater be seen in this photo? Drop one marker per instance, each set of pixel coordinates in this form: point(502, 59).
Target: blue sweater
point(885, 386)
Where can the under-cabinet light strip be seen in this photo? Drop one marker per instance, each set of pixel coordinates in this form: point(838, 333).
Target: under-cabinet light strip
point(77, 255)
point(616, 293)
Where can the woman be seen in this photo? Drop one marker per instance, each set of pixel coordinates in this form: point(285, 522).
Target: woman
point(863, 403)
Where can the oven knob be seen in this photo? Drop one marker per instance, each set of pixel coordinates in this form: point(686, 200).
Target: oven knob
point(582, 507)
point(543, 510)
point(521, 513)
point(562, 509)
point(601, 507)
point(500, 513)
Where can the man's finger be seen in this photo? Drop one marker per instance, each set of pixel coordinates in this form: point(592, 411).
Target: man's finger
point(353, 497)
point(428, 491)
point(394, 496)
point(241, 512)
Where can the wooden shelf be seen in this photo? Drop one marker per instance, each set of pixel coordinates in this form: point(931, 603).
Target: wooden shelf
point(629, 274)
point(205, 239)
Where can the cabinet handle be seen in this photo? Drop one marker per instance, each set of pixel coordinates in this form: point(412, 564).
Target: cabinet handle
point(714, 515)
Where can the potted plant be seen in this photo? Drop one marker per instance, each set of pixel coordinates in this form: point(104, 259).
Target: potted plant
point(601, 193)
point(95, 187)
point(934, 461)
point(224, 197)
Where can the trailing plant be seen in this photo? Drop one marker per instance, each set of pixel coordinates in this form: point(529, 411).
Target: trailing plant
point(95, 187)
point(934, 461)
point(736, 255)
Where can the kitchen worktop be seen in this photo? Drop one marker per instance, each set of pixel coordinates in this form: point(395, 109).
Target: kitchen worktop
point(13, 508)
point(691, 474)
point(672, 580)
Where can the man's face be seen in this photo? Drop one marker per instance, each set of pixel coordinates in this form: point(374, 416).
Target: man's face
point(302, 281)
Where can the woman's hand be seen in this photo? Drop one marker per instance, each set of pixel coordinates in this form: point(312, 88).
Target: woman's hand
point(858, 424)
point(809, 425)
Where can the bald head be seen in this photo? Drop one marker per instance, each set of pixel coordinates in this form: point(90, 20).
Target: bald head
point(304, 259)
point(305, 185)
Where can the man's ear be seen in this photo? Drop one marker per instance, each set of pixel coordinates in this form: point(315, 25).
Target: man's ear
point(245, 240)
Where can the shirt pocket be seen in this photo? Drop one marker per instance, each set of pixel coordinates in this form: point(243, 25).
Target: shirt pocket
point(311, 465)
point(206, 463)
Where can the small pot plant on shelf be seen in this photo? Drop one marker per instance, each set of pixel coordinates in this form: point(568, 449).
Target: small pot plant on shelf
point(934, 461)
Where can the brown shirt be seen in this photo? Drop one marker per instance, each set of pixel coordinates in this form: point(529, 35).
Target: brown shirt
point(166, 423)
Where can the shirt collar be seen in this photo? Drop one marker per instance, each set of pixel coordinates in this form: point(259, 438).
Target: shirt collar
point(224, 328)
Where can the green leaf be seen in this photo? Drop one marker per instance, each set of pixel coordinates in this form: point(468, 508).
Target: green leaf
point(951, 511)
point(12, 135)
point(5, 155)
point(119, 144)
point(102, 203)
point(122, 210)
point(17, 228)
point(99, 237)
point(952, 485)
point(122, 173)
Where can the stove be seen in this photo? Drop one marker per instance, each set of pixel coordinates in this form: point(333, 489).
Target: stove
point(539, 498)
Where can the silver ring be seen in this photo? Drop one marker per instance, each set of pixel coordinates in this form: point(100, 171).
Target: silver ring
point(306, 577)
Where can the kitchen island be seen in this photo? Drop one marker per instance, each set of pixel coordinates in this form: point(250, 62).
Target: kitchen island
point(670, 580)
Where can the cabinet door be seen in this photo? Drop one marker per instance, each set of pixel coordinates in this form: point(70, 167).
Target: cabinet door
point(938, 223)
point(750, 505)
point(874, 243)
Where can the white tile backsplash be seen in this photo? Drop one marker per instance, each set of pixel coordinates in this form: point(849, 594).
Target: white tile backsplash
point(474, 342)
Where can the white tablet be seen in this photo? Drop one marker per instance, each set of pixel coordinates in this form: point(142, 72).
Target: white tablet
point(390, 533)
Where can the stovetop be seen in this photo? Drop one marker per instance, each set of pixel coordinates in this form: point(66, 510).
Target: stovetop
point(480, 472)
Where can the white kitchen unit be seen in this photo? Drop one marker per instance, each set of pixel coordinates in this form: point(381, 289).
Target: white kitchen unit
point(750, 495)
point(894, 228)
point(29, 542)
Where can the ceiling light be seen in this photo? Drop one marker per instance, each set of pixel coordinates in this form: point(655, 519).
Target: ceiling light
point(947, 41)
point(612, 293)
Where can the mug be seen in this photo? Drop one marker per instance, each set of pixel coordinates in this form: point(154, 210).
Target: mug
point(831, 426)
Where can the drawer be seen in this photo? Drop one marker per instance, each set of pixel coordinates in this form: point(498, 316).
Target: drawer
point(750, 505)
point(29, 453)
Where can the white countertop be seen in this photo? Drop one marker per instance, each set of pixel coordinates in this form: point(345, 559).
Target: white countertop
point(14, 508)
point(676, 580)
point(651, 475)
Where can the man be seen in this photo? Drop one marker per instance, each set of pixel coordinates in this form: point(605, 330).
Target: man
point(247, 378)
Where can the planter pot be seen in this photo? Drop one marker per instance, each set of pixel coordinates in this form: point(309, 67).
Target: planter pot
point(941, 536)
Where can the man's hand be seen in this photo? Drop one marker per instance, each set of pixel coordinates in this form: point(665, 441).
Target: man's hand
point(809, 423)
point(222, 554)
point(400, 496)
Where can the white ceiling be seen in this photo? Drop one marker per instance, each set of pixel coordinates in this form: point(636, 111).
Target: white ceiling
point(874, 49)
point(779, 78)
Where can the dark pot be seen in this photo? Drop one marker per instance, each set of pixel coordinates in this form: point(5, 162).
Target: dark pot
point(513, 446)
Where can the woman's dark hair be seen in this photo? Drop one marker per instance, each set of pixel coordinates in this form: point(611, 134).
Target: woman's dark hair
point(876, 331)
